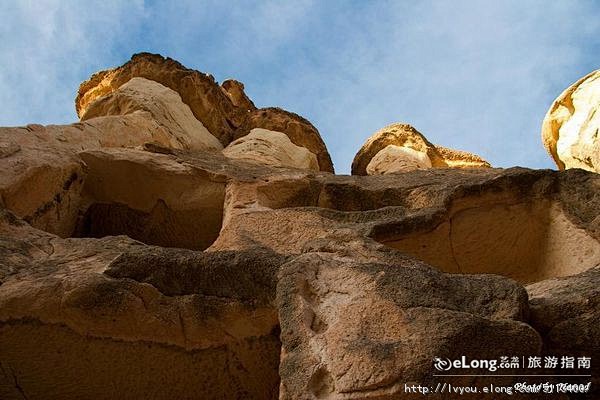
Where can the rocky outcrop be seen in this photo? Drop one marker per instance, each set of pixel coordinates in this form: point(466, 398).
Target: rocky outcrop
point(235, 90)
point(136, 262)
point(400, 148)
point(300, 131)
point(139, 96)
point(111, 310)
point(225, 110)
point(570, 128)
point(566, 311)
point(207, 101)
point(393, 159)
point(271, 148)
point(351, 328)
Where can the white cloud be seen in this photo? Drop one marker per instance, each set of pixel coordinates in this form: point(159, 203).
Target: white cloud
point(47, 49)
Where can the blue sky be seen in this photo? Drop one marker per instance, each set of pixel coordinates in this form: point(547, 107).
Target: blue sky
point(472, 75)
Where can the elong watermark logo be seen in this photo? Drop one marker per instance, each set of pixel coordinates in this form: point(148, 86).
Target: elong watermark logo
point(445, 364)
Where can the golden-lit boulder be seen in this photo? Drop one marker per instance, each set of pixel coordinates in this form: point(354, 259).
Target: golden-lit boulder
point(401, 148)
point(570, 128)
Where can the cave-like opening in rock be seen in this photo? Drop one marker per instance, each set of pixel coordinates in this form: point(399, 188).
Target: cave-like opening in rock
point(527, 240)
point(161, 226)
point(158, 201)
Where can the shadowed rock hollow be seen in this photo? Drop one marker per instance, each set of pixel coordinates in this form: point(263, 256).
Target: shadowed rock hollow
point(178, 242)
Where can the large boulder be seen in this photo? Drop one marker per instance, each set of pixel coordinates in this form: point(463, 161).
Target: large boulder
point(267, 147)
point(207, 100)
point(400, 147)
point(570, 127)
point(300, 131)
point(163, 105)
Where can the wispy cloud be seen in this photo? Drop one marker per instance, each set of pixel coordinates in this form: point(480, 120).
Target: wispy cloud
point(47, 48)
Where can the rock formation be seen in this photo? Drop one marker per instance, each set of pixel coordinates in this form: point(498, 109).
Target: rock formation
point(401, 148)
point(570, 128)
point(139, 260)
point(271, 148)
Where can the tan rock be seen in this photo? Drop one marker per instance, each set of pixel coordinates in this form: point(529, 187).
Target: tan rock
point(267, 147)
point(208, 102)
point(417, 153)
point(392, 159)
point(173, 205)
point(570, 127)
point(300, 131)
point(461, 159)
point(103, 312)
point(163, 105)
point(364, 279)
point(42, 173)
point(362, 330)
point(224, 110)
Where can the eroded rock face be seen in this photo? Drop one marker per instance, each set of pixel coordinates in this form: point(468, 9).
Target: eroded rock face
point(136, 262)
point(570, 128)
point(267, 147)
point(224, 110)
point(363, 330)
point(400, 148)
point(113, 310)
point(566, 311)
point(300, 131)
point(207, 101)
point(393, 159)
point(164, 106)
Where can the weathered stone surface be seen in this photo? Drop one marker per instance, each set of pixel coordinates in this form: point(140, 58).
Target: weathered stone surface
point(358, 330)
point(159, 322)
point(300, 131)
point(271, 148)
point(461, 159)
point(368, 278)
point(208, 102)
point(174, 204)
point(400, 147)
point(42, 174)
point(393, 159)
point(570, 128)
point(566, 311)
point(235, 90)
point(164, 106)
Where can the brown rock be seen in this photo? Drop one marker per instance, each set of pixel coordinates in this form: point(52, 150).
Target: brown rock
point(224, 110)
point(368, 278)
point(570, 127)
point(461, 159)
point(163, 106)
point(42, 174)
point(353, 329)
point(235, 90)
point(400, 147)
point(299, 130)
point(116, 318)
point(208, 102)
point(174, 204)
point(566, 311)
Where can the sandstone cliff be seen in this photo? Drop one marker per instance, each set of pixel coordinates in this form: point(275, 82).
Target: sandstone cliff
point(180, 243)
